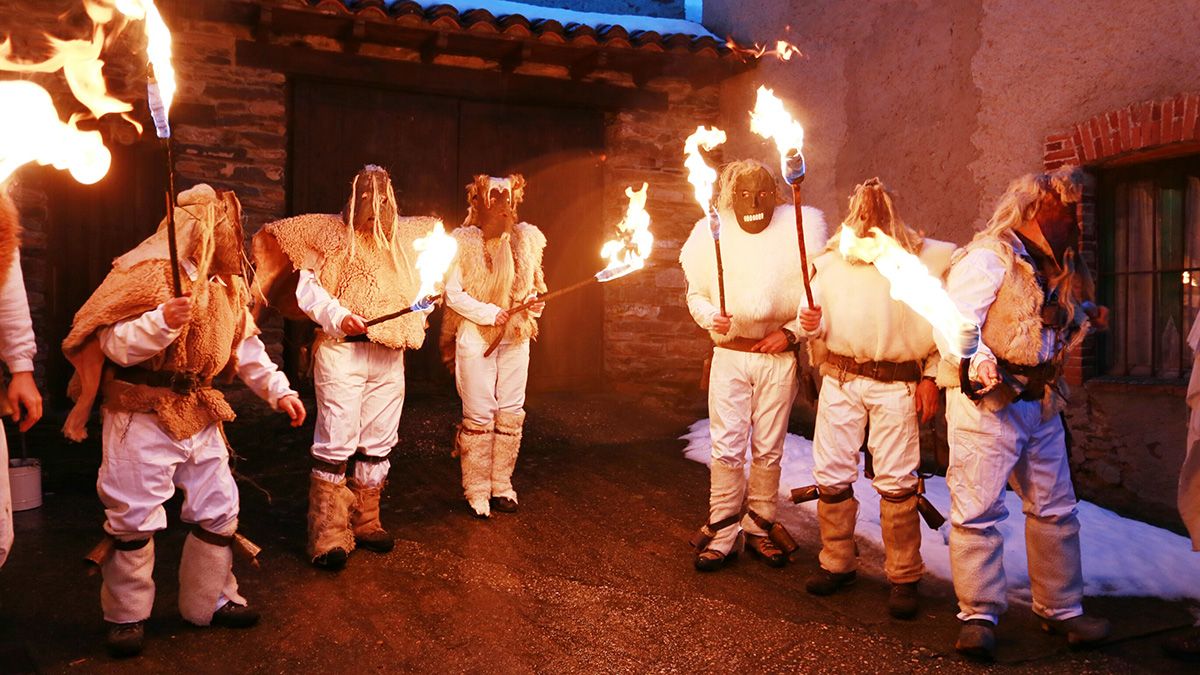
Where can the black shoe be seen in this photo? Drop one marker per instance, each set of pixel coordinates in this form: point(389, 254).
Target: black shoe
point(331, 560)
point(977, 640)
point(379, 542)
point(825, 582)
point(233, 615)
point(504, 505)
point(125, 639)
point(1184, 647)
point(903, 601)
point(709, 560)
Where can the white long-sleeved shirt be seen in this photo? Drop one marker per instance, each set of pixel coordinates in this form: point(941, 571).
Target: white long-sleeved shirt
point(132, 341)
point(974, 283)
point(320, 306)
point(476, 312)
point(17, 343)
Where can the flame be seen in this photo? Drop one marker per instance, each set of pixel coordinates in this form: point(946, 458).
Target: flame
point(700, 174)
point(628, 252)
point(913, 285)
point(782, 50)
point(158, 43)
point(30, 127)
point(770, 120)
point(31, 131)
point(435, 252)
point(82, 68)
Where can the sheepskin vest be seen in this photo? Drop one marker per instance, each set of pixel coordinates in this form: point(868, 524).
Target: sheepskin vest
point(764, 281)
point(1013, 328)
point(526, 244)
point(205, 349)
point(367, 280)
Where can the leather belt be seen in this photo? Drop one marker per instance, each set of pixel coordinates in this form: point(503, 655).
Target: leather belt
point(180, 383)
point(1037, 377)
point(740, 344)
point(882, 371)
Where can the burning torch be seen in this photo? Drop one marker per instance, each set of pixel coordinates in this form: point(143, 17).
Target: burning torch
point(160, 92)
point(770, 120)
point(435, 252)
point(703, 177)
point(626, 254)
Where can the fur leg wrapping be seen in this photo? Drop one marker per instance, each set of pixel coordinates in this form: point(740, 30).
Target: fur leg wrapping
point(205, 574)
point(127, 592)
point(504, 452)
point(329, 507)
point(475, 452)
point(763, 496)
point(901, 527)
point(727, 491)
point(364, 518)
point(836, 519)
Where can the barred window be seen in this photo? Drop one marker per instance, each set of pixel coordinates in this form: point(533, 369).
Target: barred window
point(1148, 236)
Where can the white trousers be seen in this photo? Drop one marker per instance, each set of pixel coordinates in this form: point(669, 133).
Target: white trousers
point(986, 448)
point(142, 466)
point(360, 395)
point(749, 400)
point(490, 384)
point(843, 411)
point(6, 512)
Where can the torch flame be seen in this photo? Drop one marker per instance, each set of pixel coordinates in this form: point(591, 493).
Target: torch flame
point(700, 174)
point(82, 68)
point(770, 120)
point(31, 131)
point(782, 50)
point(158, 44)
point(435, 252)
point(628, 252)
point(913, 285)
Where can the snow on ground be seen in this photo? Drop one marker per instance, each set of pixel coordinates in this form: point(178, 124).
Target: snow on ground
point(1120, 556)
point(631, 22)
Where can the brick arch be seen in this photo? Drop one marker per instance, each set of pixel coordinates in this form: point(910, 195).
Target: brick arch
point(1152, 129)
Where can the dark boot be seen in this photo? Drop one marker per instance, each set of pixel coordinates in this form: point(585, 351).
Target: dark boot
point(1081, 631)
point(825, 582)
point(233, 615)
point(503, 505)
point(364, 518)
point(903, 601)
point(977, 640)
point(125, 639)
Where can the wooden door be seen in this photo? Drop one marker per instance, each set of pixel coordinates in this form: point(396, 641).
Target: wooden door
point(558, 151)
point(87, 227)
point(433, 146)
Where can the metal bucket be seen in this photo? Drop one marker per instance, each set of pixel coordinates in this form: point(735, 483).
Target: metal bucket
point(25, 482)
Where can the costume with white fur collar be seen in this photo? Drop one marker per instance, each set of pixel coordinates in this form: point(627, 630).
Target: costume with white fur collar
point(764, 283)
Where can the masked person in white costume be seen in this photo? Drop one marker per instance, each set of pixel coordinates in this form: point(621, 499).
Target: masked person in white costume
point(155, 358)
point(879, 367)
point(498, 266)
point(752, 380)
point(17, 349)
point(1022, 281)
point(339, 271)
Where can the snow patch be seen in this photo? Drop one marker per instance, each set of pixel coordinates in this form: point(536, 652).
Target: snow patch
point(631, 22)
point(1120, 556)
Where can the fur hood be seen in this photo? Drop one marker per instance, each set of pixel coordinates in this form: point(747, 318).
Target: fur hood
point(763, 277)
